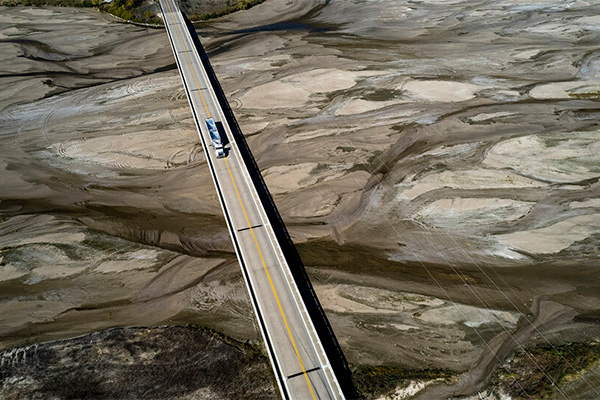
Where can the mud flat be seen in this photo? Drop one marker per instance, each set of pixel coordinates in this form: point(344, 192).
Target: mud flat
point(435, 163)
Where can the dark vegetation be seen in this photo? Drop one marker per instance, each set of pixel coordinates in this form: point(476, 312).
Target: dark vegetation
point(382, 95)
point(136, 363)
point(535, 373)
point(231, 6)
point(130, 10)
point(377, 381)
point(139, 11)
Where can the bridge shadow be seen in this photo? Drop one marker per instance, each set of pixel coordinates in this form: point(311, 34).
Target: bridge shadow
point(331, 345)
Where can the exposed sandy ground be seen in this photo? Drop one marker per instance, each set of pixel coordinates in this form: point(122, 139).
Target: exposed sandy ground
point(546, 240)
point(440, 91)
point(438, 151)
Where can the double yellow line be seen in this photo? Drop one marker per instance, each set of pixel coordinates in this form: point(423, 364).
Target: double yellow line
point(289, 331)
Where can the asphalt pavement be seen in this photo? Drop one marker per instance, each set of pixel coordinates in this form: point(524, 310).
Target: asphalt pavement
point(296, 353)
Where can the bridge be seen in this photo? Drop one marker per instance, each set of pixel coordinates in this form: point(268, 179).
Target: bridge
point(300, 364)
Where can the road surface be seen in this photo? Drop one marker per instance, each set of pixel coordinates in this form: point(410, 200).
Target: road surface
point(296, 353)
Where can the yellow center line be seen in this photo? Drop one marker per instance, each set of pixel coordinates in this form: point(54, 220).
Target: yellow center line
point(271, 283)
point(189, 62)
point(289, 331)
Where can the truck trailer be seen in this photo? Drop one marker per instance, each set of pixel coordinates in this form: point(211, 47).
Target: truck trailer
point(215, 138)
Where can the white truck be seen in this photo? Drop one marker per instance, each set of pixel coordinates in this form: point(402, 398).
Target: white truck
point(215, 138)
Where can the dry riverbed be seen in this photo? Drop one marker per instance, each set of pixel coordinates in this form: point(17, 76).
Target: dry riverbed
point(437, 166)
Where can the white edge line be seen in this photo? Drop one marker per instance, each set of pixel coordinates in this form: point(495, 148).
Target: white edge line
point(223, 202)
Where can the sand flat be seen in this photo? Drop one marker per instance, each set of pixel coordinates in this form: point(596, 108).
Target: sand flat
point(556, 158)
point(359, 106)
point(564, 90)
point(440, 91)
point(296, 89)
point(467, 179)
point(456, 212)
point(283, 179)
point(553, 238)
point(592, 203)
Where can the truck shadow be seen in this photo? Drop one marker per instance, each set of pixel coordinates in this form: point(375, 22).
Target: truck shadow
point(222, 133)
point(328, 339)
point(224, 137)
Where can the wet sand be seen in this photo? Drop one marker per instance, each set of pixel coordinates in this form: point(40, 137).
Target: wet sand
point(437, 169)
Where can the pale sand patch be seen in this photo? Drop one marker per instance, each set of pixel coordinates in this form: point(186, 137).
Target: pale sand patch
point(38, 229)
point(465, 211)
point(317, 201)
point(295, 90)
point(500, 250)
point(488, 394)
point(427, 301)
point(359, 106)
point(441, 91)
point(387, 299)
point(553, 238)
point(409, 391)
point(140, 259)
point(287, 178)
point(254, 127)
point(329, 79)
point(253, 65)
point(343, 179)
point(466, 179)
point(568, 157)
point(526, 55)
point(133, 89)
point(39, 12)
point(9, 272)
point(589, 22)
point(279, 57)
point(275, 94)
point(402, 327)
point(487, 116)
point(315, 204)
point(564, 90)
point(8, 32)
point(470, 316)
point(332, 300)
point(40, 262)
point(364, 299)
point(112, 266)
point(139, 149)
point(585, 203)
